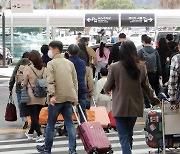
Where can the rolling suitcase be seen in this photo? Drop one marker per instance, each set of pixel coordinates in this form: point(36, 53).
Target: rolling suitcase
point(101, 116)
point(93, 136)
point(153, 129)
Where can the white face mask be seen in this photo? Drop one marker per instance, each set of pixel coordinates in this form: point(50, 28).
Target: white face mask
point(50, 54)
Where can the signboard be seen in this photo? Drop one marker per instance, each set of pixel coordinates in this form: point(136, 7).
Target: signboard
point(22, 6)
point(138, 20)
point(101, 20)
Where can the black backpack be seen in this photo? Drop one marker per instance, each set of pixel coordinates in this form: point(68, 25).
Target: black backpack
point(150, 61)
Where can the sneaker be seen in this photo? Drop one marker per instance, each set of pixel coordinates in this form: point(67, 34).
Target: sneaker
point(72, 152)
point(42, 150)
point(25, 126)
point(29, 136)
point(40, 138)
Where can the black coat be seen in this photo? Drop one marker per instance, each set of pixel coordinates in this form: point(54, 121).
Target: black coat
point(114, 54)
point(46, 59)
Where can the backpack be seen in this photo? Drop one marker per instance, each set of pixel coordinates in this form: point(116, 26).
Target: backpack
point(150, 61)
point(40, 89)
point(19, 74)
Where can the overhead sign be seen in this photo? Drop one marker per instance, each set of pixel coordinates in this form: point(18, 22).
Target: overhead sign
point(101, 20)
point(22, 6)
point(138, 20)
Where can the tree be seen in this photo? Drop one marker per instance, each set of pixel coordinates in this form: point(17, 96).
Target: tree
point(114, 4)
point(88, 4)
point(170, 4)
point(56, 4)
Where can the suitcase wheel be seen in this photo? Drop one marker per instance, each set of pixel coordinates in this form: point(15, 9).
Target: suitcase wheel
point(115, 129)
point(94, 151)
point(110, 150)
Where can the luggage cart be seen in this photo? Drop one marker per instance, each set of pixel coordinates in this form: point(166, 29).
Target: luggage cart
point(170, 126)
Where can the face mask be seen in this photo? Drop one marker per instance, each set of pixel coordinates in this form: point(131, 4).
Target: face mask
point(50, 54)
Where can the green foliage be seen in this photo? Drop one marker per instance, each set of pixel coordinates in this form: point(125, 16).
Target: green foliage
point(56, 4)
point(170, 4)
point(114, 4)
point(147, 8)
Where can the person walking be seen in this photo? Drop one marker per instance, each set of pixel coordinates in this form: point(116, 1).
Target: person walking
point(173, 84)
point(80, 67)
point(171, 43)
point(90, 86)
point(62, 94)
point(100, 97)
point(152, 60)
point(83, 54)
point(30, 74)
point(114, 54)
point(126, 79)
point(102, 54)
point(17, 77)
point(90, 51)
point(78, 37)
point(164, 51)
point(142, 41)
point(45, 57)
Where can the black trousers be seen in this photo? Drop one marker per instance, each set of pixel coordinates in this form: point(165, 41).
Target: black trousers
point(154, 82)
point(34, 111)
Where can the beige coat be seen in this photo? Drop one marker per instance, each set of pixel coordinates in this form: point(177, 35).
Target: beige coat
point(89, 82)
point(62, 80)
point(92, 56)
point(127, 94)
point(29, 76)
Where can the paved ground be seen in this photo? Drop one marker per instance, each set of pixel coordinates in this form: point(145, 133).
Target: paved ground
point(21, 145)
point(13, 141)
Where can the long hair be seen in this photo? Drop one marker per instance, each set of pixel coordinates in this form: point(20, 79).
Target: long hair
point(83, 49)
point(35, 58)
point(129, 59)
point(25, 55)
point(101, 50)
point(163, 46)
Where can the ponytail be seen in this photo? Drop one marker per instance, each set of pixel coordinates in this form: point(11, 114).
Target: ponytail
point(101, 50)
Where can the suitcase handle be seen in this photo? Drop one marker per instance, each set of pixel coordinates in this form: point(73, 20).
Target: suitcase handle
point(95, 104)
point(74, 110)
point(163, 128)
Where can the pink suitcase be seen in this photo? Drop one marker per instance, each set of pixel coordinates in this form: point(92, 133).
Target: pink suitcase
point(101, 116)
point(93, 136)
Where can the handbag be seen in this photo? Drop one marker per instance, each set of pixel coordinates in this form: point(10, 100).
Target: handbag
point(11, 113)
point(25, 98)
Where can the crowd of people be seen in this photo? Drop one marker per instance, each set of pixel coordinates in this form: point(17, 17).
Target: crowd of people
point(128, 77)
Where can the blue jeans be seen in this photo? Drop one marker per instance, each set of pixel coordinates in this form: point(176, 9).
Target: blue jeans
point(18, 94)
point(82, 101)
point(125, 127)
point(66, 110)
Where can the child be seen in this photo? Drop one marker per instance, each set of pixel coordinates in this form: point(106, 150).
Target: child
point(100, 97)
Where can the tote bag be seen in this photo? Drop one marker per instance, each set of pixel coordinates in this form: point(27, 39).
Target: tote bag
point(11, 113)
